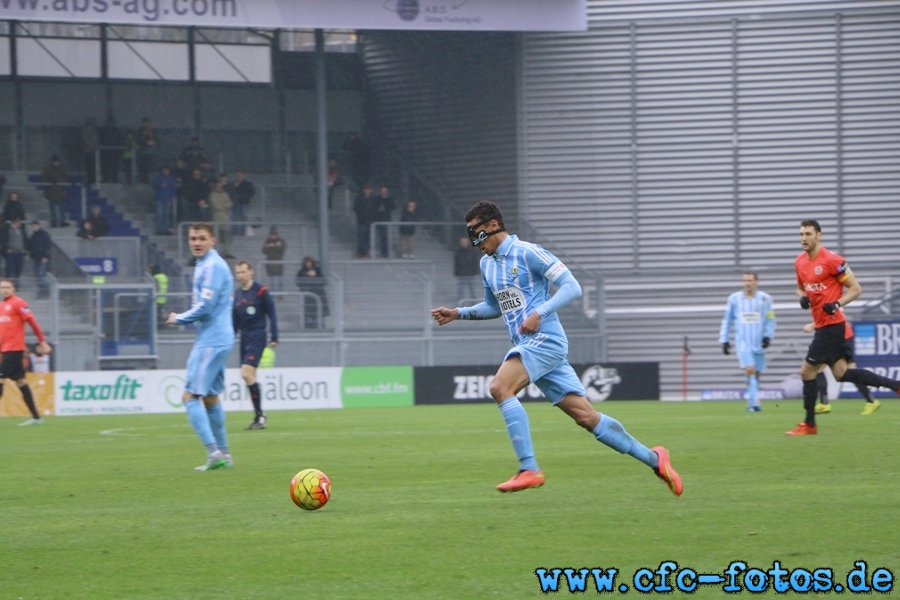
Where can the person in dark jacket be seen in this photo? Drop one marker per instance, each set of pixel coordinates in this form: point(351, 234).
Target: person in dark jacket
point(13, 209)
point(55, 175)
point(310, 279)
point(39, 247)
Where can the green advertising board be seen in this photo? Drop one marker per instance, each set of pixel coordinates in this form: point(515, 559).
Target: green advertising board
point(377, 386)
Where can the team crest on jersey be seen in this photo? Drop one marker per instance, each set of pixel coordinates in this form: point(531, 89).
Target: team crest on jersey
point(251, 310)
point(818, 270)
point(514, 273)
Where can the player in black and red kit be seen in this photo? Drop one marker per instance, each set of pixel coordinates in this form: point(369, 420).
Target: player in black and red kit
point(252, 306)
point(825, 284)
point(14, 313)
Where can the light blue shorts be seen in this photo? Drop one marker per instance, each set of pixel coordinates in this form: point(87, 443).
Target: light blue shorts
point(545, 362)
point(757, 360)
point(206, 370)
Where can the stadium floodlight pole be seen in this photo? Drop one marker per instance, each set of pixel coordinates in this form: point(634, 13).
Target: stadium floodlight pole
point(322, 152)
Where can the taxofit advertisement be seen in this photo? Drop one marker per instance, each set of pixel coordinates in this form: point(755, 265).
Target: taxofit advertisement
point(137, 392)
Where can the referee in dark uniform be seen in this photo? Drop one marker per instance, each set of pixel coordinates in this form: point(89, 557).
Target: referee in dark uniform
point(252, 305)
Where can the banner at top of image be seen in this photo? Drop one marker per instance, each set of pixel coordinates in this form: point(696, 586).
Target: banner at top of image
point(448, 15)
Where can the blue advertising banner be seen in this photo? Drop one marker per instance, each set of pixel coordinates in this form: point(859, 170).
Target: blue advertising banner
point(98, 265)
point(877, 348)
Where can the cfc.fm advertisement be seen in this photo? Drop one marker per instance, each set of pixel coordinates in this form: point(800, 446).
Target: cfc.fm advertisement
point(601, 381)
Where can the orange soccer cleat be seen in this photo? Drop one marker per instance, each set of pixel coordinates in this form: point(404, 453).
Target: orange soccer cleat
point(523, 480)
point(665, 471)
point(803, 429)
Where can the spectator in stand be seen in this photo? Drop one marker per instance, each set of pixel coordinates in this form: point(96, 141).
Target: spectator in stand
point(38, 361)
point(384, 206)
point(242, 193)
point(55, 175)
point(357, 157)
point(128, 157)
point(2, 183)
point(407, 232)
point(164, 191)
point(273, 249)
point(221, 204)
point(209, 174)
point(99, 223)
point(86, 231)
point(204, 211)
point(147, 149)
point(310, 279)
point(195, 190)
point(90, 142)
point(364, 207)
point(39, 248)
point(12, 241)
point(467, 271)
point(334, 178)
point(13, 209)
point(193, 154)
point(110, 150)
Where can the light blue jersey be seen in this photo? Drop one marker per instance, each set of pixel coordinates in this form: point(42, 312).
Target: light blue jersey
point(516, 281)
point(211, 302)
point(753, 319)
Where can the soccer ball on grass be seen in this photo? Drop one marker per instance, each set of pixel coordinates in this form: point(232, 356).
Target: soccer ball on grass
point(310, 489)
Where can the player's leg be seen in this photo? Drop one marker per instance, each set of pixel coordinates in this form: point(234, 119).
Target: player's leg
point(11, 368)
point(871, 403)
point(251, 352)
point(563, 388)
point(196, 387)
point(825, 348)
point(822, 406)
point(510, 378)
point(214, 409)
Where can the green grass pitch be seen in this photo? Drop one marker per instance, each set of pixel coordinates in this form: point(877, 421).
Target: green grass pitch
point(110, 507)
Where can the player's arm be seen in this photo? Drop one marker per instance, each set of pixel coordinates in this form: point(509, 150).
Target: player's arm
point(569, 289)
point(207, 299)
point(852, 289)
point(28, 316)
point(769, 319)
point(727, 319)
point(273, 320)
point(488, 308)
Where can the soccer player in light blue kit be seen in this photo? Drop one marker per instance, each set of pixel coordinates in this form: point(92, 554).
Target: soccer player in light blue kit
point(750, 312)
point(516, 276)
point(211, 311)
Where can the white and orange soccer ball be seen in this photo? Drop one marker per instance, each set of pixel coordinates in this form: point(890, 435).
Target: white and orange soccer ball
point(310, 489)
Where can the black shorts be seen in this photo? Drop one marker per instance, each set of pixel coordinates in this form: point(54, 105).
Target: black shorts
point(252, 345)
point(829, 346)
point(11, 366)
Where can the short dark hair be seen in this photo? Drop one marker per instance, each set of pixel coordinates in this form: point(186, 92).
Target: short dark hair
point(752, 273)
point(811, 223)
point(243, 263)
point(485, 210)
point(203, 225)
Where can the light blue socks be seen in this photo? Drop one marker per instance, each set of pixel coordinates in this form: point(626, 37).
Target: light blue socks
point(610, 432)
point(217, 422)
point(196, 414)
point(752, 391)
point(519, 432)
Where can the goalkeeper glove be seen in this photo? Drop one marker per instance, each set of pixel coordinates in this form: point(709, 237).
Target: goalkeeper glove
point(831, 307)
point(804, 302)
point(766, 342)
point(726, 348)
